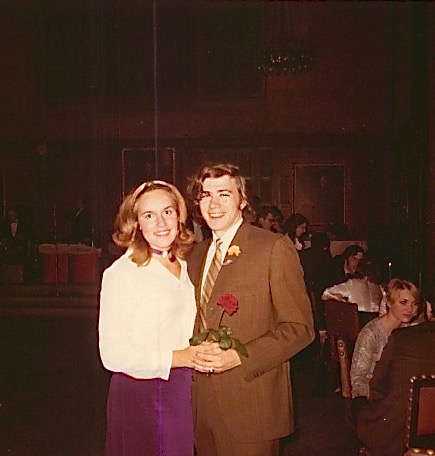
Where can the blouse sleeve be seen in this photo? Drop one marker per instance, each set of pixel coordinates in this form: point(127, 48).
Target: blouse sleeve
point(363, 362)
point(123, 346)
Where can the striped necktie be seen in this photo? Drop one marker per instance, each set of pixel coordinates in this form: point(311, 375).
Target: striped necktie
point(209, 281)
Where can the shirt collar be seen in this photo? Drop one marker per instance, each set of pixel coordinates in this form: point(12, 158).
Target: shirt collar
point(228, 236)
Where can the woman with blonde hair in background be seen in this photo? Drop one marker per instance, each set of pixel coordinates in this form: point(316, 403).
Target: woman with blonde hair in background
point(403, 299)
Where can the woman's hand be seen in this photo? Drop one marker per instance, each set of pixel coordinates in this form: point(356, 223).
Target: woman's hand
point(186, 357)
point(210, 358)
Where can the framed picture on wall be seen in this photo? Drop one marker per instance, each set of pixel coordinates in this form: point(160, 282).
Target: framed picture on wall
point(146, 163)
point(319, 193)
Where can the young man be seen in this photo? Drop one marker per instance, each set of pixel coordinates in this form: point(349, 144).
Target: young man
point(265, 218)
point(242, 405)
point(346, 264)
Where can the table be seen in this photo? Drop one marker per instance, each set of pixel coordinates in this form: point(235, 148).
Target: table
point(76, 263)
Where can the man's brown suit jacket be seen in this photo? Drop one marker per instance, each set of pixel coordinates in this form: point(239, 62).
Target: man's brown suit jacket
point(274, 321)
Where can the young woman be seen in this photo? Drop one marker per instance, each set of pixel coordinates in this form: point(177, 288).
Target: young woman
point(403, 299)
point(147, 312)
point(295, 226)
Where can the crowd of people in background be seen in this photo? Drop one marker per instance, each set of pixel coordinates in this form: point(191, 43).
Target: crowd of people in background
point(396, 338)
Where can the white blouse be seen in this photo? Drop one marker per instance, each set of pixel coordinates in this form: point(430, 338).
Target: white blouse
point(367, 352)
point(145, 314)
point(369, 296)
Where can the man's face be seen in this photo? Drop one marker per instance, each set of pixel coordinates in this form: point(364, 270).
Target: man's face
point(352, 262)
point(267, 222)
point(221, 204)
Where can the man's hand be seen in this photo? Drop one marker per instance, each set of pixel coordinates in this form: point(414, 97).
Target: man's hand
point(212, 359)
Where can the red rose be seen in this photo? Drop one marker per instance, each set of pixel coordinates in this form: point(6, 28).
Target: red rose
point(229, 303)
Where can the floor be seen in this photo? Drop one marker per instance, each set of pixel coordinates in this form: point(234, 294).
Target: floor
point(53, 392)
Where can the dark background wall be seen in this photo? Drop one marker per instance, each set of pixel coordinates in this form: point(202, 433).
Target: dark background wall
point(88, 79)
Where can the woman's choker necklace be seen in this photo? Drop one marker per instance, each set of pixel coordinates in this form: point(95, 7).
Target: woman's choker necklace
point(163, 253)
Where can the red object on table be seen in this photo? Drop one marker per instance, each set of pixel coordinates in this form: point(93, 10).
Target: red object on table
point(84, 267)
point(49, 266)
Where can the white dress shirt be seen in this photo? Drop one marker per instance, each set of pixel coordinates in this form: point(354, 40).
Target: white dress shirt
point(145, 313)
point(369, 296)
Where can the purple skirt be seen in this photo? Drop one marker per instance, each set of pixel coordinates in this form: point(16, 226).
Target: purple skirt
point(150, 417)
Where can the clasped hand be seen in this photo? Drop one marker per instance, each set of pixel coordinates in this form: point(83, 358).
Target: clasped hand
point(210, 358)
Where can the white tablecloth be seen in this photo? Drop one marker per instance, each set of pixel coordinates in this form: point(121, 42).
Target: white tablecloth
point(72, 249)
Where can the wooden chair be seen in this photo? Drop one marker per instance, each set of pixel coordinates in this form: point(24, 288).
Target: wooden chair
point(344, 363)
point(341, 323)
point(420, 425)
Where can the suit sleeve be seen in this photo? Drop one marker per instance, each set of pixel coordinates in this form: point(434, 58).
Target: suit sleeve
point(294, 328)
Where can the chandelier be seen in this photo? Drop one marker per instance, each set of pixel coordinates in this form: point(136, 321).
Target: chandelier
point(281, 54)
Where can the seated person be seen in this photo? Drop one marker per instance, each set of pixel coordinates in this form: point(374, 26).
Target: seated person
point(364, 290)
point(345, 264)
point(403, 299)
point(381, 421)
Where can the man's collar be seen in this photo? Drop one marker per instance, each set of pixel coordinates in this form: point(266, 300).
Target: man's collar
point(230, 233)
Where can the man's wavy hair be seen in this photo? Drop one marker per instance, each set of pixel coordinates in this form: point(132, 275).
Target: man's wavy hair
point(214, 170)
point(127, 233)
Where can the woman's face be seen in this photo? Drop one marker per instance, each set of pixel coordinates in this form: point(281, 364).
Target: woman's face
point(300, 230)
point(158, 219)
point(403, 306)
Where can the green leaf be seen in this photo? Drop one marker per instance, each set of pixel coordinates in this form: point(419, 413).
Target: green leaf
point(225, 343)
point(214, 335)
point(241, 348)
point(198, 338)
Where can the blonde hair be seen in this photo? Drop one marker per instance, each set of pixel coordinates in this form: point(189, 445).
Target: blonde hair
point(394, 285)
point(128, 235)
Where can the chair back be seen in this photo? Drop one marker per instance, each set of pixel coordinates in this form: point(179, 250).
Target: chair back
point(344, 363)
point(420, 425)
point(341, 320)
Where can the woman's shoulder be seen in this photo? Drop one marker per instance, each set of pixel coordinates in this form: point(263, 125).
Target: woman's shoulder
point(372, 328)
point(121, 265)
point(374, 324)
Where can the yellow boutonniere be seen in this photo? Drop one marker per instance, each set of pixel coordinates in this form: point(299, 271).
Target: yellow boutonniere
point(234, 250)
